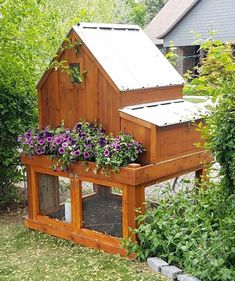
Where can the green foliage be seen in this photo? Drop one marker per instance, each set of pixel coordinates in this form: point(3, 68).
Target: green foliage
point(171, 55)
point(22, 60)
point(143, 11)
point(152, 8)
point(220, 135)
point(137, 12)
point(71, 12)
point(217, 67)
point(217, 79)
point(192, 230)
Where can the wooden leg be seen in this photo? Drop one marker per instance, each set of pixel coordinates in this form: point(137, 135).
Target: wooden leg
point(29, 188)
point(200, 176)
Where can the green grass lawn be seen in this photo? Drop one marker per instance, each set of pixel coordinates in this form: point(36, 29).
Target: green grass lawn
point(30, 255)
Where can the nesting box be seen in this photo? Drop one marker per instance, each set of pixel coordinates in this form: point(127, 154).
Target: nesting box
point(126, 84)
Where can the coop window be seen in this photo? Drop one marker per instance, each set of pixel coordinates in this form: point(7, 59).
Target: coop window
point(75, 73)
point(102, 208)
point(54, 197)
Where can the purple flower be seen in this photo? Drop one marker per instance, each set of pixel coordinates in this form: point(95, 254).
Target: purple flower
point(28, 141)
point(19, 139)
point(139, 149)
point(49, 139)
point(61, 150)
point(129, 146)
point(78, 126)
point(106, 152)
point(82, 135)
point(28, 134)
point(58, 140)
point(86, 155)
point(102, 141)
point(65, 144)
point(117, 146)
point(39, 151)
point(76, 152)
point(47, 134)
point(41, 141)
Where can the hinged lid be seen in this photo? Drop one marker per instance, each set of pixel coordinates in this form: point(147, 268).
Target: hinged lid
point(167, 113)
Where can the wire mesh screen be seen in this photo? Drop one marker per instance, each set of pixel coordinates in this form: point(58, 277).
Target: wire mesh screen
point(102, 208)
point(54, 197)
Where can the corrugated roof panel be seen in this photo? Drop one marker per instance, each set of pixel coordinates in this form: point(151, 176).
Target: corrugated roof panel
point(128, 56)
point(168, 112)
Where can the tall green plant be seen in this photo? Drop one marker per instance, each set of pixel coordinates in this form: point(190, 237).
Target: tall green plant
point(217, 79)
point(29, 38)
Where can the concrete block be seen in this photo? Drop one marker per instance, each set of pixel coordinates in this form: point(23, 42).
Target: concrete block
point(186, 277)
point(171, 271)
point(156, 263)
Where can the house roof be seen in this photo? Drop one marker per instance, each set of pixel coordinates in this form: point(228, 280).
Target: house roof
point(168, 17)
point(128, 56)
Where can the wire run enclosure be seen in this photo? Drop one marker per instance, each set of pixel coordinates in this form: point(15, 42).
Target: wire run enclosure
point(121, 79)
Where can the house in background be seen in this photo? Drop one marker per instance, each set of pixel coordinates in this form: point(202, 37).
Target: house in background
point(179, 20)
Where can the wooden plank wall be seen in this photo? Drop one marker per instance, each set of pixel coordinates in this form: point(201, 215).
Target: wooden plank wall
point(59, 99)
point(151, 95)
point(141, 132)
point(109, 104)
point(177, 140)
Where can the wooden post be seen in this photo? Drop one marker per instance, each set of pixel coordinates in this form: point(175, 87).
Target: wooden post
point(29, 189)
point(49, 194)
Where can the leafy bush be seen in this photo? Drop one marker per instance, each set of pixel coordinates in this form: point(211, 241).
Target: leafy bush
point(22, 59)
point(220, 135)
point(217, 79)
point(85, 142)
point(193, 230)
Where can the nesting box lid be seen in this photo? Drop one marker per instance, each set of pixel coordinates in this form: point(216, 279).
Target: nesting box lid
point(168, 112)
point(128, 56)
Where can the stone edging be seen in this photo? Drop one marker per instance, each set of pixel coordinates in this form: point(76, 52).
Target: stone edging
point(170, 271)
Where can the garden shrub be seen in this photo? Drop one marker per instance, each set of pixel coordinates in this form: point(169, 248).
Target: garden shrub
point(196, 230)
point(193, 230)
point(22, 61)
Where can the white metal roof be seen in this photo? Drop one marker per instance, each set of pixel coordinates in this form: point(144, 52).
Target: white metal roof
point(167, 112)
point(128, 56)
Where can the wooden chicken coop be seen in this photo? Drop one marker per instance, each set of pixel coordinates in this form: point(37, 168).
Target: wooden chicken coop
point(127, 85)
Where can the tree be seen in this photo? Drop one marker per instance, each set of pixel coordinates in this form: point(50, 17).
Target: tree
point(152, 8)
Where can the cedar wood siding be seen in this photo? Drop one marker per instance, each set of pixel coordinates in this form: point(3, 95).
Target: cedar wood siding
point(96, 99)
